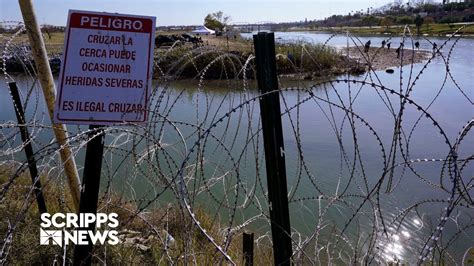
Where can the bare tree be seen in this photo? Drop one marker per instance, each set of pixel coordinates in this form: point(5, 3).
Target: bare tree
point(420, 3)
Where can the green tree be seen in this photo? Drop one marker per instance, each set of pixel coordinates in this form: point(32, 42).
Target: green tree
point(216, 21)
point(418, 22)
point(370, 21)
point(405, 20)
point(387, 22)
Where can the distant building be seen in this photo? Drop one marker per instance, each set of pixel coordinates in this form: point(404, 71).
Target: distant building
point(203, 30)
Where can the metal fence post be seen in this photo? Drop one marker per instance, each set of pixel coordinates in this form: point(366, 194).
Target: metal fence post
point(273, 143)
point(247, 247)
point(90, 189)
point(25, 137)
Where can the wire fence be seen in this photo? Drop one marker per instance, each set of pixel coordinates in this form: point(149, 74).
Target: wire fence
point(379, 165)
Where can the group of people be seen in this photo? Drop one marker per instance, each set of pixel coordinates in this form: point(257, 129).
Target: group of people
point(388, 44)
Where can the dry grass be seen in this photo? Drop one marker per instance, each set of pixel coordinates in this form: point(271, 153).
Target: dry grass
point(229, 44)
point(54, 45)
point(150, 228)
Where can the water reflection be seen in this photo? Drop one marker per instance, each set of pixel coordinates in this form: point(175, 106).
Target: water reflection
point(401, 246)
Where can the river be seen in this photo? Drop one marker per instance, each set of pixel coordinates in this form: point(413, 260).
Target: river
point(314, 157)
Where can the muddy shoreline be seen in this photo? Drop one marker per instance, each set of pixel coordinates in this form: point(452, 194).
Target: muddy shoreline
point(383, 58)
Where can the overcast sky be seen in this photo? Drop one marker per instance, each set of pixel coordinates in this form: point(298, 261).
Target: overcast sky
point(186, 12)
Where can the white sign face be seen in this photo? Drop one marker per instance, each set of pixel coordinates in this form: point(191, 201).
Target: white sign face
point(106, 70)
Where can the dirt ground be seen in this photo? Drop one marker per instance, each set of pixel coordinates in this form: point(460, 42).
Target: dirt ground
point(381, 59)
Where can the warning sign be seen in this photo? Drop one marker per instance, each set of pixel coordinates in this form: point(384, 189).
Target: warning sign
point(106, 70)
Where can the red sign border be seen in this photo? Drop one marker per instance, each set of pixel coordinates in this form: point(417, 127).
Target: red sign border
point(72, 21)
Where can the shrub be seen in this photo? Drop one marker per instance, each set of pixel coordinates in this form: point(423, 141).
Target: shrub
point(429, 20)
point(450, 19)
point(468, 18)
point(404, 20)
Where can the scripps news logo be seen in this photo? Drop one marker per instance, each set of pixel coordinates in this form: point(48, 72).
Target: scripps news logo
point(63, 229)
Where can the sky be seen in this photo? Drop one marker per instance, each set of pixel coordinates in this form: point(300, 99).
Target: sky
point(186, 12)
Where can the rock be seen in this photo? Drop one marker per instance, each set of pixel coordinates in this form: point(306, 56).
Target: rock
point(142, 247)
point(389, 70)
point(169, 239)
point(131, 240)
point(127, 232)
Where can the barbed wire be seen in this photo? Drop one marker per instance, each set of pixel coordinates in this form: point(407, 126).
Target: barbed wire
point(379, 165)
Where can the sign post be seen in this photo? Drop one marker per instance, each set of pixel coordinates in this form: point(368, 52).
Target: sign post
point(105, 79)
point(90, 188)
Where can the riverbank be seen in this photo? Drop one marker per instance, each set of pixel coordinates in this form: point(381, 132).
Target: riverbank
point(383, 58)
point(216, 57)
point(222, 58)
point(150, 237)
point(225, 58)
point(426, 30)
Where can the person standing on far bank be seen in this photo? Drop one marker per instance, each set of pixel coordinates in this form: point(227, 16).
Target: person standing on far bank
point(399, 50)
point(367, 46)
